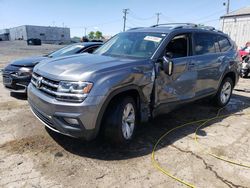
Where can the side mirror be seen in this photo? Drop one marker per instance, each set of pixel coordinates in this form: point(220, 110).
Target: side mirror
point(169, 55)
point(167, 65)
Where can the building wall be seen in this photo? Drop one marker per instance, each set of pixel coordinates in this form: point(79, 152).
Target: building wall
point(4, 37)
point(238, 28)
point(46, 34)
point(18, 33)
point(49, 34)
point(4, 34)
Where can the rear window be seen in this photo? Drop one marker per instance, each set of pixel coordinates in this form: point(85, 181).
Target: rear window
point(205, 44)
point(224, 43)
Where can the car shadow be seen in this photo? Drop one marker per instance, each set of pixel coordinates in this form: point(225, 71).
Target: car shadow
point(19, 96)
point(148, 134)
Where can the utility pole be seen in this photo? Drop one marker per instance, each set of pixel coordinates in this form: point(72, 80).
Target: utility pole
point(158, 18)
point(125, 12)
point(227, 12)
point(228, 6)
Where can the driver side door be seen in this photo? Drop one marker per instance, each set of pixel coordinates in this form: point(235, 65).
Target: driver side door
point(179, 87)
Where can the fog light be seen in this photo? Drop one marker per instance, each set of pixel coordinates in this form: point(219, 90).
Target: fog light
point(71, 121)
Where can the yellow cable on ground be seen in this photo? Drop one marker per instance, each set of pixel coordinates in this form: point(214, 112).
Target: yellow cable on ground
point(212, 154)
point(203, 121)
point(157, 165)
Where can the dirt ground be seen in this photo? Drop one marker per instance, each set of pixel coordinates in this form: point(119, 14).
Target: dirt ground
point(32, 156)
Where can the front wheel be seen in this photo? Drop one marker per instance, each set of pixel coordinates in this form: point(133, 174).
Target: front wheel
point(121, 120)
point(224, 93)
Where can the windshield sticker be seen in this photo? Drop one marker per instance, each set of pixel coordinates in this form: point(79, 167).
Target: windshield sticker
point(153, 39)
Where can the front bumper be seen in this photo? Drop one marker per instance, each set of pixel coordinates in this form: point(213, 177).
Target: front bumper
point(16, 84)
point(52, 112)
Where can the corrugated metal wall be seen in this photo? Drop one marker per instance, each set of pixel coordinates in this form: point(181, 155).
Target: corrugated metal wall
point(46, 34)
point(49, 34)
point(238, 28)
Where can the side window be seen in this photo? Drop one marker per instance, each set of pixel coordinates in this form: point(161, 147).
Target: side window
point(224, 43)
point(90, 50)
point(205, 44)
point(178, 47)
point(216, 44)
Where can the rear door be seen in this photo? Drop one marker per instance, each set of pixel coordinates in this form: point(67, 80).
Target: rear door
point(208, 60)
point(180, 86)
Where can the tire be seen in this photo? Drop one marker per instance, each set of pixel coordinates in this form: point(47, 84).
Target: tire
point(224, 93)
point(117, 120)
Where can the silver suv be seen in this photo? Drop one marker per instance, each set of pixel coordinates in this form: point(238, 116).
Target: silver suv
point(133, 77)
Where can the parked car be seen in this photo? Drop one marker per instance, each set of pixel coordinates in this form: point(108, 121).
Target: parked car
point(35, 42)
point(133, 77)
point(17, 75)
point(243, 53)
point(245, 67)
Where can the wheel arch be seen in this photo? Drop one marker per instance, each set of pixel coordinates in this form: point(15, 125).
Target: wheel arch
point(231, 75)
point(133, 91)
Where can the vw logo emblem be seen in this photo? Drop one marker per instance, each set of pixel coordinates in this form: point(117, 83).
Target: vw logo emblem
point(39, 82)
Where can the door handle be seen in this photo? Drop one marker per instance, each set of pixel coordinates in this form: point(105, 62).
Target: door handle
point(191, 65)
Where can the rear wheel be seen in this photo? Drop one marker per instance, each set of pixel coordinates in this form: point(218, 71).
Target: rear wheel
point(224, 93)
point(120, 121)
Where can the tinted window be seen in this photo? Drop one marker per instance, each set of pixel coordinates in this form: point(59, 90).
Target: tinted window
point(90, 50)
point(205, 43)
point(224, 43)
point(68, 50)
point(178, 47)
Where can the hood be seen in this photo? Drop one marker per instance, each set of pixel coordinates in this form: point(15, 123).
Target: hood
point(74, 68)
point(28, 62)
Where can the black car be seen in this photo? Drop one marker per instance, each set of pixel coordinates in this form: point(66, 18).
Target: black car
point(17, 75)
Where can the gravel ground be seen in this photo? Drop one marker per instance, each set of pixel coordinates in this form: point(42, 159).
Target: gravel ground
point(32, 156)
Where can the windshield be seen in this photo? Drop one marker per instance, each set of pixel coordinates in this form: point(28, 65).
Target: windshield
point(132, 44)
point(68, 50)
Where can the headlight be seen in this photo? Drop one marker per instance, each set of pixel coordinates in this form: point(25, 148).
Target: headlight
point(73, 91)
point(24, 71)
point(75, 87)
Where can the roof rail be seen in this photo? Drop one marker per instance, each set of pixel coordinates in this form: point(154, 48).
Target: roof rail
point(187, 25)
point(210, 28)
point(176, 25)
point(207, 28)
point(134, 28)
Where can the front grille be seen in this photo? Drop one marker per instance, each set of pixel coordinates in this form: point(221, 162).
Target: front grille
point(50, 87)
point(44, 84)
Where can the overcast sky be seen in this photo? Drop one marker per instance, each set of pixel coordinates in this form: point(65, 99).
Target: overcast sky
point(106, 15)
